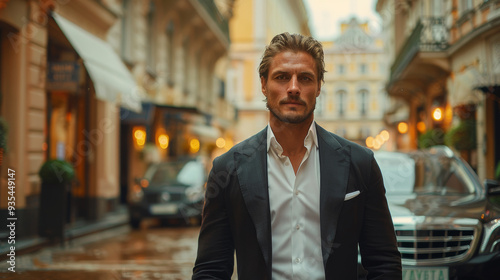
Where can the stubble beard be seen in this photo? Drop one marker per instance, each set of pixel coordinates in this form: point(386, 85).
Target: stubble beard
point(295, 119)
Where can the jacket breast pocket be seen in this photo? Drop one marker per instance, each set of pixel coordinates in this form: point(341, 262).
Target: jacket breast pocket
point(351, 195)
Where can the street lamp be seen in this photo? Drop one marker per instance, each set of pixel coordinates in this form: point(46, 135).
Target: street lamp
point(139, 134)
point(194, 145)
point(163, 141)
point(402, 127)
point(437, 114)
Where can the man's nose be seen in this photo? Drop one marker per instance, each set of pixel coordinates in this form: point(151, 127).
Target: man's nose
point(293, 85)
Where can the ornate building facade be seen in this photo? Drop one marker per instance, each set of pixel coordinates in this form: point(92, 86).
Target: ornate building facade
point(253, 25)
point(444, 69)
point(79, 78)
point(353, 98)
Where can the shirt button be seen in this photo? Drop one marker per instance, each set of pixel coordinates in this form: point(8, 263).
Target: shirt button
point(296, 192)
point(297, 227)
point(287, 164)
point(297, 260)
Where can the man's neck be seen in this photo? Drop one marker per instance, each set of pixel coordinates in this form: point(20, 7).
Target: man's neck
point(290, 136)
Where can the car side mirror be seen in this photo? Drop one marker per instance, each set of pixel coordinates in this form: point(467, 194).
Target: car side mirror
point(492, 187)
point(140, 181)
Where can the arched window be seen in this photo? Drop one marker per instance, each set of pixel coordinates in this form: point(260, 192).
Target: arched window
point(185, 50)
point(150, 40)
point(437, 8)
point(341, 101)
point(320, 103)
point(126, 38)
point(169, 31)
point(465, 6)
point(341, 131)
point(363, 102)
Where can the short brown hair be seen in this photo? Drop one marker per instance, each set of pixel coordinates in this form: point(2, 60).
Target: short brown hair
point(293, 42)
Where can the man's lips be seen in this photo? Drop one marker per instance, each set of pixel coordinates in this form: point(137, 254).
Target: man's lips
point(292, 102)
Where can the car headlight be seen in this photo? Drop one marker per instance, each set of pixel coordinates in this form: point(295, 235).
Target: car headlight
point(491, 240)
point(195, 193)
point(136, 194)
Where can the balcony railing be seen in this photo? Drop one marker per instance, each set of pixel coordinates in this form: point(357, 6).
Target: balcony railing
point(221, 22)
point(430, 35)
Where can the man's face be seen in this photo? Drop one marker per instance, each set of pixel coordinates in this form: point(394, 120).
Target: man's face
point(291, 87)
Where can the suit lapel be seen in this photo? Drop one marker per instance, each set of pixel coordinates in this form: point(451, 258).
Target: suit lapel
point(251, 167)
point(334, 164)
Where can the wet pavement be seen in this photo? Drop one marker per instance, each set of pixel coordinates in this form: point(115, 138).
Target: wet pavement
point(121, 253)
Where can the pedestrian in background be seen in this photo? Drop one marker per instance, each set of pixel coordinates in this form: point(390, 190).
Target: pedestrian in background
point(295, 201)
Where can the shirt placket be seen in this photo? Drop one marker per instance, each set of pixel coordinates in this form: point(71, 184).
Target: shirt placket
point(298, 224)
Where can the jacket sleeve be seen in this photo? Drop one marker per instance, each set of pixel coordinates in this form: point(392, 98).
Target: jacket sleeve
point(378, 245)
point(215, 259)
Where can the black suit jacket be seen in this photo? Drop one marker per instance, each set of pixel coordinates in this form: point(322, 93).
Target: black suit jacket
point(236, 214)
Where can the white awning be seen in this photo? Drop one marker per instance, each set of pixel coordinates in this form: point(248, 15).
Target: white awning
point(204, 132)
point(112, 80)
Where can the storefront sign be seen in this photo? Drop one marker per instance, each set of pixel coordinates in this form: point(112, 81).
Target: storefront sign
point(63, 75)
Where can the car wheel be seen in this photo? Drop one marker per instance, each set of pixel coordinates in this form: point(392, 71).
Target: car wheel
point(135, 223)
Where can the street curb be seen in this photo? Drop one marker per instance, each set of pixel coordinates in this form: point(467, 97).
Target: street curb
point(29, 245)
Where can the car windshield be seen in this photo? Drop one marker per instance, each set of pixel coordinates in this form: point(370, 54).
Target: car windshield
point(188, 173)
point(424, 173)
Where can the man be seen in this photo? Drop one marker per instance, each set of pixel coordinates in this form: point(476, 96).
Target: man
point(294, 200)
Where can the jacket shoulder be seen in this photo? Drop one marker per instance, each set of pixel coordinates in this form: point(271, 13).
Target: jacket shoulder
point(358, 152)
point(253, 144)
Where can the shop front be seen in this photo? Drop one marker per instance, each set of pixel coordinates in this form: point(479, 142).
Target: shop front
point(162, 133)
point(85, 81)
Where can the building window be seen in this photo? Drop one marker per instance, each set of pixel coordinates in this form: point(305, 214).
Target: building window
point(185, 50)
point(341, 132)
point(465, 5)
point(364, 132)
point(320, 103)
point(363, 68)
point(126, 42)
point(222, 89)
point(150, 40)
point(437, 8)
point(341, 101)
point(170, 53)
point(363, 100)
point(341, 69)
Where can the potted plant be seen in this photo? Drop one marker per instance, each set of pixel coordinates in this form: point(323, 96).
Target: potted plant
point(463, 138)
point(57, 176)
point(431, 138)
point(56, 171)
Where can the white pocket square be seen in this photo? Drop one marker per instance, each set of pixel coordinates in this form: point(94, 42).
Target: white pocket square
point(351, 195)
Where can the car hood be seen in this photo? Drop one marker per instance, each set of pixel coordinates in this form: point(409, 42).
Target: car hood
point(168, 187)
point(436, 206)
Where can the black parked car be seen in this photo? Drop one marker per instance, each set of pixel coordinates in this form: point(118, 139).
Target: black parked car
point(447, 223)
point(169, 191)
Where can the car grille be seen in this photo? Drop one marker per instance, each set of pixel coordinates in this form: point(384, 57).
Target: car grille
point(152, 198)
point(435, 246)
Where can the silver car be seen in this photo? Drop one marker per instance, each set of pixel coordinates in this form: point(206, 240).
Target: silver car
point(447, 223)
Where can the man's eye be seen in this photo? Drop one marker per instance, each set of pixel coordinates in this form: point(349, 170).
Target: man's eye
point(281, 77)
point(305, 78)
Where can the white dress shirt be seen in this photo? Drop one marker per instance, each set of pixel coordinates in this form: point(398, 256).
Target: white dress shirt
point(294, 204)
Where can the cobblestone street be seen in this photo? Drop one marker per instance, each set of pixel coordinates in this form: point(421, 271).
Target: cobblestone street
point(152, 253)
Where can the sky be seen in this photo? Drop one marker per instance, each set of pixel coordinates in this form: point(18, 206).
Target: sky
point(325, 15)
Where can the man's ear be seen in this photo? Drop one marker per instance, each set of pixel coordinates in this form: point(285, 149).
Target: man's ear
point(319, 89)
point(263, 82)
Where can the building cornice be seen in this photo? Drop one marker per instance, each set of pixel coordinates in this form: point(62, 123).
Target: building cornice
point(77, 11)
point(481, 30)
